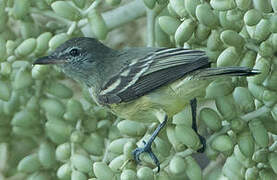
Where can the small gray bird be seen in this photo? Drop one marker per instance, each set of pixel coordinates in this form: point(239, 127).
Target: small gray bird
point(140, 83)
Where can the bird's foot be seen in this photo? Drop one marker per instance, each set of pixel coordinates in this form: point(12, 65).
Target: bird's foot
point(147, 149)
point(193, 105)
point(147, 146)
point(203, 142)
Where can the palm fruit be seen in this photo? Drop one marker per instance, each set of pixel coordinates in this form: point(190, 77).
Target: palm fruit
point(63, 152)
point(206, 16)
point(77, 175)
point(210, 118)
point(42, 43)
point(245, 161)
point(145, 173)
point(184, 32)
point(246, 144)
point(98, 24)
point(66, 10)
point(57, 40)
point(81, 163)
point(226, 106)
point(131, 128)
point(252, 17)
point(128, 174)
point(26, 47)
point(178, 7)
point(222, 143)
point(177, 165)
point(169, 24)
point(192, 169)
point(223, 5)
point(187, 136)
point(218, 88)
point(244, 99)
point(259, 132)
point(49, 130)
point(20, 8)
point(5, 91)
point(233, 168)
point(102, 171)
point(228, 57)
point(190, 6)
point(29, 164)
point(251, 173)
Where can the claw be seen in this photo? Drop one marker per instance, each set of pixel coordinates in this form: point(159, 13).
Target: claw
point(144, 142)
point(147, 149)
point(136, 153)
point(155, 159)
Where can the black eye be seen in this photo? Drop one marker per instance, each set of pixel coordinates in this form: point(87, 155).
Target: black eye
point(74, 52)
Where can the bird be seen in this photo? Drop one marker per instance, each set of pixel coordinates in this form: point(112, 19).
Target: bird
point(141, 83)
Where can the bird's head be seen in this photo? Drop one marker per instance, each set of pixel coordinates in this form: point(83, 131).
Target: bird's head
point(77, 57)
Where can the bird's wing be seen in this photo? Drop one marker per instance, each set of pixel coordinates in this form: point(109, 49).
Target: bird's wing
point(145, 74)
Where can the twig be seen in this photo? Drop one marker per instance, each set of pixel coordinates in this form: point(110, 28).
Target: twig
point(117, 17)
point(91, 7)
point(150, 14)
point(213, 165)
point(254, 114)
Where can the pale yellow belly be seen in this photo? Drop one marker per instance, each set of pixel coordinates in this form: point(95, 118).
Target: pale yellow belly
point(171, 99)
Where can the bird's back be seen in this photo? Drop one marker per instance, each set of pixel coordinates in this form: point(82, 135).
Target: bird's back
point(144, 70)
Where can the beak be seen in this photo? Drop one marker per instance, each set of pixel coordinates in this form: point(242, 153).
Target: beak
point(48, 60)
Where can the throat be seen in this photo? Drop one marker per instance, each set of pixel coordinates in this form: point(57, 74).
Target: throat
point(94, 95)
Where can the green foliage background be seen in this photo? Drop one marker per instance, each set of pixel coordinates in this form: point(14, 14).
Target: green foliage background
point(51, 129)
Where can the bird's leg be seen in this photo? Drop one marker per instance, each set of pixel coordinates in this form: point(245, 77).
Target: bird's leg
point(193, 105)
point(147, 146)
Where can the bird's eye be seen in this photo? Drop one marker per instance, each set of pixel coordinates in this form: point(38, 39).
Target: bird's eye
point(74, 52)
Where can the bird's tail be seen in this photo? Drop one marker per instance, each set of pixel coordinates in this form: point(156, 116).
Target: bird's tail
point(228, 71)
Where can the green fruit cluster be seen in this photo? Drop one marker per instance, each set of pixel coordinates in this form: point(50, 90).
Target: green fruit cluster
point(51, 129)
point(243, 120)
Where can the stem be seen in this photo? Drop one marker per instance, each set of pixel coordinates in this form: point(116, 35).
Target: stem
point(105, 156)
point(50, 14)
point(222, 131)
point(150, 27)
point(250, 44)
point(72, 145)
point(267, 15)
point(124, 164)
point(91, 7)
point(185, 153)
point(212, 165)
point(124, 14)
point(4, 154)
point(78, 125)
point(255, 114)
point(72, 28)
point(273, 147)
point(118, 17)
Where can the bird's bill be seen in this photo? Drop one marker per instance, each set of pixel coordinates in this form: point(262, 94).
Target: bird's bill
point(48, 60)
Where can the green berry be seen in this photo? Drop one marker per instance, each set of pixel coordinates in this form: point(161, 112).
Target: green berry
point(81, 163)
point(98, 25)
point(169, 24)
point(66, 10)
point(102, 171)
